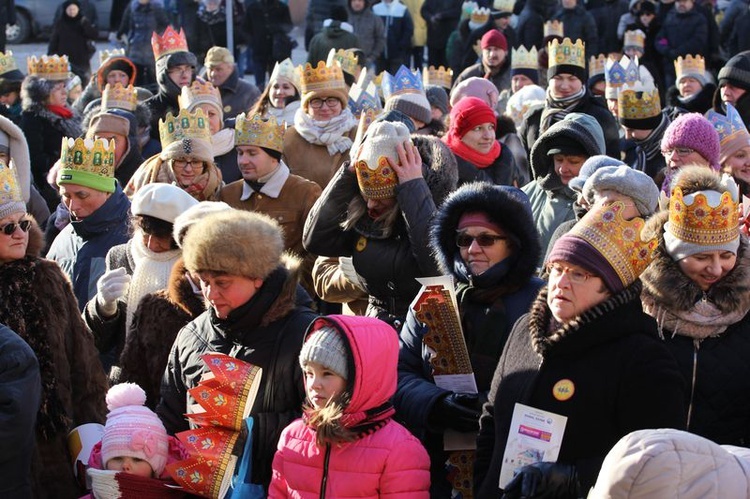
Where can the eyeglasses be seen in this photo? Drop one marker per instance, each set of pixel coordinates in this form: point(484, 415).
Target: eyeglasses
point(180, 71)
point(574, 275)
point(483, 240)
point(329, 101)
point(680, 151)
point(9, 229)
point(194, 164)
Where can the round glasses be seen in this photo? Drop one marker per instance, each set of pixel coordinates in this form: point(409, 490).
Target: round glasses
point(483, 240)
point(574, 275)
point(329, 101)
point(9, 229)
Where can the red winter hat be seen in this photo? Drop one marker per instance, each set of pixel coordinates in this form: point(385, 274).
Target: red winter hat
point(493, 38)
point(468, 113)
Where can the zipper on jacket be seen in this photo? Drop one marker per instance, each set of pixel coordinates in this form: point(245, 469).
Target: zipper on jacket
point(324, 480)
point(696, 346)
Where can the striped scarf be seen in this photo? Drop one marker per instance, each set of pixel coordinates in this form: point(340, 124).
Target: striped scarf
point(557, 109)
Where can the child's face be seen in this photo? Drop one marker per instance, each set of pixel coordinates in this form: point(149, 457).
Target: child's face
point(322, 384)
point(132, 465)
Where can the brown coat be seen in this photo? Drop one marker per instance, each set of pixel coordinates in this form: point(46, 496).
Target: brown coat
point(312, 161)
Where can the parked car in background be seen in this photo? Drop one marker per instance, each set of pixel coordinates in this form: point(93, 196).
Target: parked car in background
point(36, 17)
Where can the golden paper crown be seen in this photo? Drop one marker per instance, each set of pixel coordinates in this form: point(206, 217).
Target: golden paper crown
point(689, 65)
point(567, 52)
point(88, 155)
point(702, 223)
point(7, 62)
point(480, 16)
point(522, 58)
point(441, 77)
point(10, 188)
point(285, 69)
point(49, 67)
point(199, 92)
point(119, 97)
point(503, 5)
point(260, 132)
point(638, 101)
point(374, 183)
point(186, 125)
point(168, 43)
point(634, 38)
point(553, 28)
point(106, 54)
point(596, 65)
point(618, 240)
point(346, 58)
point(322, 77)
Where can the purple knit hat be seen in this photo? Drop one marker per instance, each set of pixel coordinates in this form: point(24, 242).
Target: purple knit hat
point(694, 131)
point(574, 250)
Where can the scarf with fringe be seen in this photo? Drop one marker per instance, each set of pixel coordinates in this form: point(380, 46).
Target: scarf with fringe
point(332, 133)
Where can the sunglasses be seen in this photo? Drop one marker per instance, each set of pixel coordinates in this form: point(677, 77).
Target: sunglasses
point(483, 240)
point(9, 229)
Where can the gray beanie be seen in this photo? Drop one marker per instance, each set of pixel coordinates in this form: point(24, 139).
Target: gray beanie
point(326, 347)
point(438, 97)
point(629, 182)
point(414, 105)
point(588, 168)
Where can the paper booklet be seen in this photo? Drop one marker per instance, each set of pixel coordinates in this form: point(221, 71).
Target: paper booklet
point(224, 398)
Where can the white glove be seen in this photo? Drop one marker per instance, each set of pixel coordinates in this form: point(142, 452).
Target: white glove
point(112, 37)
point(347, 268)
point(109, 288)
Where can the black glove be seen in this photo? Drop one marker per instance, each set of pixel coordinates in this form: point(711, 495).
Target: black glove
point(544, 481)
point(457, 411)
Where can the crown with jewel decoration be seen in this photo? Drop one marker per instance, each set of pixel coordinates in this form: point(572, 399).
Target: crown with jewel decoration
point(731, 129)
point(618, 240)
point(638, 101)
point(49, 67)
point(526, 59)
point(403, 82)
point(347, 58)
point(503, 6)
point(257, 131)
point(285, 69)
point(364, 95)
point(11, 196)
point(199, 92)
point(119, 97)
point(186, 125)
point(106, 54)
point(567, 52)
point(7, 62)
point(88, 162)
point(480, 16)
point(597, 65)
point(169, 42)
point(322, 77)
point(703, 218)
point(375, 176)
point(635, 39)
point(619, 73)
point(441, 77)
point(553, 28)
point(689, 65)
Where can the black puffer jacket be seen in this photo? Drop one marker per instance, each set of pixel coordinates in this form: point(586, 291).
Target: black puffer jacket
point(579, 23)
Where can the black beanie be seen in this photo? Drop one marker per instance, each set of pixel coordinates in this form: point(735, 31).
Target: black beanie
point(736, 71)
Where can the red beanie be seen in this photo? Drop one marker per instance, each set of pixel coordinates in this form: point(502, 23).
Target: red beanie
point(470, 112)
point(493, 38)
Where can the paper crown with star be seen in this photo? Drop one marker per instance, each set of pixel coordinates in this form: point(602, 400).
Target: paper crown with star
point(553, 28)
point(88, 162)
point(257, 131)
point(405, 81)
point(347, 58)
point(49, 67)
point(170, 42)
point(441, 77)
point(731, 129)
point(285, 69)
point(639, 106)
point(120, 97)
point(619, 73)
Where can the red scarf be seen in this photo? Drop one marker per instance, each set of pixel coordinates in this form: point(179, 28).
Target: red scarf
point(61, 111)
point(476, 158)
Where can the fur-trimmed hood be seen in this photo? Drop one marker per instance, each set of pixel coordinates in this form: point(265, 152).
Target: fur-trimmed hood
point(180, 292)
point(506, 206)
point(288, 299)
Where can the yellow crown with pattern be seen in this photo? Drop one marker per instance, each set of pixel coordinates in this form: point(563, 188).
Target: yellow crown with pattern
point(49, 67)
point(596, 65)
point(322, 77)
point(346, 58)
point(120, 97)
point(503, 5)
point(186, 125)
point(567, 52)
point(441, 77)
point(638, 102)
point(618, 240)
point(10, 191)
point(88, 155)
point(199, 92)
point(689, 65)
point(7, 62)
point(257, 131)
point(106, 54)
point(169, 42)
point(375, 177)
point(526, 59)
point(553, 28)
point(634, 39)
point(702, 221)
point(285, 69)
point(480, 16)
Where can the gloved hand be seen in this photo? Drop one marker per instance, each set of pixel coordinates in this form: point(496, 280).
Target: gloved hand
point(457, 411)
point(109, 288)
point(544, 480)
point(347, 268)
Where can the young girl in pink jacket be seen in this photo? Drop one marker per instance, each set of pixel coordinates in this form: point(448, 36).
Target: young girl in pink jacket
point(347, 443)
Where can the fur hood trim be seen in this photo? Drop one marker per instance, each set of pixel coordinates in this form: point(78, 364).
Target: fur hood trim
point(439, 167)
point(287, 299)
point(36, 240)
point(180, 292)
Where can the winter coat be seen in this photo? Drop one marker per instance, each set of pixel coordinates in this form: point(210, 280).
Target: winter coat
point(680, 35)
point(81, 247)
point(165, 101)
point(610, 357)
point(698, 103)
point(419, 38)
point(579, 23)
point(607, 18)
point(370, 32)
point(156, 322)
point(333, 36)
point(399, 29)
point(739, 38)
point(672, 463)
point(383, 462)
point(19, 379)
point(388, 264)
point(71, 36)
point(502, 171)
point(317, 12)
point(37, 302)
point(264, 19)
point(530, 25)
point(267, 331)
point(237, 95)
point(311, 161)
point(713, 368)
point(489, 304)
point(139, 22)
point(501, 79)
point(442, 18)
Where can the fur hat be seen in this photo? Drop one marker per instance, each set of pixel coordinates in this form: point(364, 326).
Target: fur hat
point(414, 105)
point(327, 348)
point(589, 167)
point(133, 430)
point(694, 131)
point(234, 242)
point(163, 201)
point(629, 182)
point(192, 215)
point(475, 87)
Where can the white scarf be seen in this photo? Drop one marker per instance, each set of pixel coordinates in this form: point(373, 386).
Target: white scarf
point(151, 273)
point(330, 133)
point(222, 141)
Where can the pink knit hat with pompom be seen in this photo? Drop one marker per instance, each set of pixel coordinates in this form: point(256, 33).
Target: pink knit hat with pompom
point(695, 132)
point(133, 430)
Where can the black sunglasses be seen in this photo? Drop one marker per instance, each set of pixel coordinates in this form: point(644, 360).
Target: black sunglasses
point(9, 229)
point(484, 240)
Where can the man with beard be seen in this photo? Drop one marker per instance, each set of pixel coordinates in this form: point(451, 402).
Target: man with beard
point(495, 64)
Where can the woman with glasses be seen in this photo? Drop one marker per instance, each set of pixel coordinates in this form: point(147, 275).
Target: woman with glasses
point(585, 351)
point(37, 302)
point(324, 126)
point(483, 236)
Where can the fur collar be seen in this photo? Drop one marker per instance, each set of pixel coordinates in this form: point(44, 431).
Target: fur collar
point(287, 299)
point(180, 292)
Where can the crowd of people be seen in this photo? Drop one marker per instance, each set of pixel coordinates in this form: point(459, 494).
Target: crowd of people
point(580, 173)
